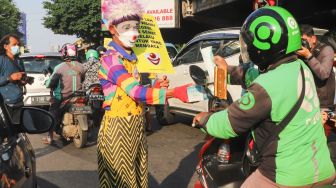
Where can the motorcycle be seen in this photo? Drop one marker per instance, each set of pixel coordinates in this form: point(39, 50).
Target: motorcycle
point(220, 161)
point(95, 100)
point(76, 120)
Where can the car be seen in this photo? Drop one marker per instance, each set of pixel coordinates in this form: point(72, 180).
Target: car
point(172, 51)
point(224, 42)
point(17, 158)
point(38, 65)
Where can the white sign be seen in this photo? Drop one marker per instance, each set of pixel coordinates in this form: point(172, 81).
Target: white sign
point(209, 63)
point(164, 12)
point(196, 93)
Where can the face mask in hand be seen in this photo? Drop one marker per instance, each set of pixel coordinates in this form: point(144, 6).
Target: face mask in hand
point(128, 38)
point(15, 50)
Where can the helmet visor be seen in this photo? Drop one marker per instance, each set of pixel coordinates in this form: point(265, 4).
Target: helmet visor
point(243, 50)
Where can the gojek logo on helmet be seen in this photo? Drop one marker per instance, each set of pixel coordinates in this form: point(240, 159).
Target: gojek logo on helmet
point(264, 37)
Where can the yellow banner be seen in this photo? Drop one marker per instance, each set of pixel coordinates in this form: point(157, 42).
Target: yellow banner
point(150, 48)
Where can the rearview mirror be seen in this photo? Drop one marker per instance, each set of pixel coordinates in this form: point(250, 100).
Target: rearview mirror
point(198, 75)
point(35, 120)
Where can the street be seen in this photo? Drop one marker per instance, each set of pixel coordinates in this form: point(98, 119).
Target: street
point(172, 150)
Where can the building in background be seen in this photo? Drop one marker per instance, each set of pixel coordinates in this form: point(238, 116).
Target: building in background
point(23, 31)
point(23, 27)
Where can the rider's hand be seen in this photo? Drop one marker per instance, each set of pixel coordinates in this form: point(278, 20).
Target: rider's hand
point(201, 119)
point(220, 62)
point(16, 76)
point(304, 53)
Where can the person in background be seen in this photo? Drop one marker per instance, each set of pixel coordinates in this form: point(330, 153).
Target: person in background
point(319, 57)
point(101, 50)
point(121, 136)
point(91, 67)
point(12, 75)
point(64, 81)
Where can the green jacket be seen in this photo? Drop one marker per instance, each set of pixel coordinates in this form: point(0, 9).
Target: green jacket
point(300, 156)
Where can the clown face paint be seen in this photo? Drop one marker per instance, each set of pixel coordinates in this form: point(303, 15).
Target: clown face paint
point(128, 32)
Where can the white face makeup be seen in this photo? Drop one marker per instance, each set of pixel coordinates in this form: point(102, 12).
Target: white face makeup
point(127, 33)
point(131, 25)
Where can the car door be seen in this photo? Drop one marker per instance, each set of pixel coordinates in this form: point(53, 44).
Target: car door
point(189, 55)
point(17, 163)
point(183, 68)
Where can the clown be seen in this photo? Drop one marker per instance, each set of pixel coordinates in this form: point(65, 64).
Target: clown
point(122, 147)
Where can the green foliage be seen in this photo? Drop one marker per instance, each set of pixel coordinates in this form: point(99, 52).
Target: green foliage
point(179, 46)
point(73, 17)
point(9, 17)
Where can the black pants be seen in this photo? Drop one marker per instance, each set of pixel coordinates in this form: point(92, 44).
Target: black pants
point(56, 111)
point(14, 112)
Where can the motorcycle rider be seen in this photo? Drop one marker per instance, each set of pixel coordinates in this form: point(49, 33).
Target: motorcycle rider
point(269, 37)
point(91, 68)
point(101, 50)
point(64, 81)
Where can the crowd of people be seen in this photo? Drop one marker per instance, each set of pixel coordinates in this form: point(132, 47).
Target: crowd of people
point(286, 126)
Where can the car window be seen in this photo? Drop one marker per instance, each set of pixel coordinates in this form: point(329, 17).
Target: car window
point(223, 48)
point(214, 43)
point(171, 52)
point(188, 55)
point(39, 65)
point(229, 48)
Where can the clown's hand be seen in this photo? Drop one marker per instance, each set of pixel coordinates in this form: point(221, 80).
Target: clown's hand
point(162, 83)
point(181, 92)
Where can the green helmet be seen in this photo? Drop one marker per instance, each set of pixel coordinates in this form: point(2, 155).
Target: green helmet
point(268, 35)
point(91, 53)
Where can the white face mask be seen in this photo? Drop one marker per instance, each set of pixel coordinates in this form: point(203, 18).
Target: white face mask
point(15, 50)
point(128, 38)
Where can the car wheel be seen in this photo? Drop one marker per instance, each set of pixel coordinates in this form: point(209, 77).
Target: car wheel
point(219, 104)
point(163, 116)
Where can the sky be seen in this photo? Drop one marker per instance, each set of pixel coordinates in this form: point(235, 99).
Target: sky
point(39, 38)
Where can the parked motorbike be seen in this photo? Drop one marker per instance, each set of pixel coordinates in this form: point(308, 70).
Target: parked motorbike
point(220, 161)
point(95, 100)
point(76, 120)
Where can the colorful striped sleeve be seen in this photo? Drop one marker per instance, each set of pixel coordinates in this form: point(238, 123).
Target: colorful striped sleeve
point(118, 75)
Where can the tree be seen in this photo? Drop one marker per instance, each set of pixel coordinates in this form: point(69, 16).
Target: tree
point(9, 18)
point(73, 17)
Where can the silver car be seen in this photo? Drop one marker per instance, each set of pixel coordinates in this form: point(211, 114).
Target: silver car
point(38, 65)
point(224, 42)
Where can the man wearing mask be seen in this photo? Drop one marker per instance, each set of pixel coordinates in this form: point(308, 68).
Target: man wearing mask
point(11, 74)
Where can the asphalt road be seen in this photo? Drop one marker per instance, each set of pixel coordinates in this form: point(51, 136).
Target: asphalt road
point(172, 149)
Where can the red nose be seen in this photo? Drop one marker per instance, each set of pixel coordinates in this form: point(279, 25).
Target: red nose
point(134, 37)
point(152, 55)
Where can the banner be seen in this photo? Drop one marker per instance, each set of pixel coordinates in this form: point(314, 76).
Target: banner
point(166, 12)
point(150, 48)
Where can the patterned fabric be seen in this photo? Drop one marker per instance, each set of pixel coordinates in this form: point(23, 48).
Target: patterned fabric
point(91, 73)
point(120, 81)
point(122, 153)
